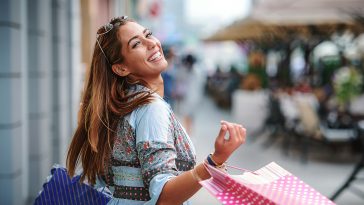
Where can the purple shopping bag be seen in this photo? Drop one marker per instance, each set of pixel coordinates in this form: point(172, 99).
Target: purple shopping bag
point(61, 189)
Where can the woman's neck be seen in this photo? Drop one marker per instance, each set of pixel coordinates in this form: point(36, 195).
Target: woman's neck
point(157, 85)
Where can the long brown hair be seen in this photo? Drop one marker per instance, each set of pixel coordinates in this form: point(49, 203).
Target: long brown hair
point(105, 100)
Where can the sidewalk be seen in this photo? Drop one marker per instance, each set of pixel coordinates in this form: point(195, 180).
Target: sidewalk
point(323, 175)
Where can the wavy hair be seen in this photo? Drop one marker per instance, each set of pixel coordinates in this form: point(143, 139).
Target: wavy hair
point(105, 100)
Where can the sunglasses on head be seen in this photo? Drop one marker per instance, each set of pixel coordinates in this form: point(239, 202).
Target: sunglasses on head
point(107, 28)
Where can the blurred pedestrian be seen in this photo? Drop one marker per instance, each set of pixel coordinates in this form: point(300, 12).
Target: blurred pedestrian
point(189, 89)
point(127, 137)
point(169, 76)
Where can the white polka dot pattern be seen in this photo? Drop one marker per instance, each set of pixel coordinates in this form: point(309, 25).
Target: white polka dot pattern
point(287, 189)
point(290, 190)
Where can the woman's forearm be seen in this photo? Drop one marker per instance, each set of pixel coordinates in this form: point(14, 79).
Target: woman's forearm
point(184, 186)
point(181, 188)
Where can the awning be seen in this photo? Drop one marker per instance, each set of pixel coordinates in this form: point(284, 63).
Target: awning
point(279, 18)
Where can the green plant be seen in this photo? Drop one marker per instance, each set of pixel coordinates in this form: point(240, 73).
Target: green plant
point(347, 84)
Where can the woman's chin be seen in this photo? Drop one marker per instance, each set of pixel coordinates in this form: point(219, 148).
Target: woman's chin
point(163, 65)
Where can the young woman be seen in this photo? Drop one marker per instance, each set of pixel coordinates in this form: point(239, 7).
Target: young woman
point(128, 138)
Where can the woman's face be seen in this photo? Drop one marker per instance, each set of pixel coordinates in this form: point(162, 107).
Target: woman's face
point(142, 52)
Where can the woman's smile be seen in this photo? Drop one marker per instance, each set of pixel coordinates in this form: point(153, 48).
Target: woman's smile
point(155, 57)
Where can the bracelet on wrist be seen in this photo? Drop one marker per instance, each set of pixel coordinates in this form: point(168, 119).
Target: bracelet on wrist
point(222, 167)
point(195, 175)
point(211, 162)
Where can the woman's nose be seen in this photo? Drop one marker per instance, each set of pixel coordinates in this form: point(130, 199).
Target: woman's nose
point(151, 43)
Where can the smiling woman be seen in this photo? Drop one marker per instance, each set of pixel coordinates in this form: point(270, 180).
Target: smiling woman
point(143, 55)
point(128, 138)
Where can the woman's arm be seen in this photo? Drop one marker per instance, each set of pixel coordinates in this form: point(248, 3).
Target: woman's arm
point(181, 188)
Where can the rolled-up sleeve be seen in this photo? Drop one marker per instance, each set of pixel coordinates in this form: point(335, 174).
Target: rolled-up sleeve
point(155, 147)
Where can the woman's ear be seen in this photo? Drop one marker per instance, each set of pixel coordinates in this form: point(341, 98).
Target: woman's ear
point(120, 70)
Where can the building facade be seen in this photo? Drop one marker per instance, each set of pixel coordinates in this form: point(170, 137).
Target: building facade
point(45, 47)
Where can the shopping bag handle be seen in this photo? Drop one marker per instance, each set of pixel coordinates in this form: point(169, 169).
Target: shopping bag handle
point(241, 169)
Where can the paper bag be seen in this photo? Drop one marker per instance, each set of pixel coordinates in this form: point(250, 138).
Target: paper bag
point(269, 185)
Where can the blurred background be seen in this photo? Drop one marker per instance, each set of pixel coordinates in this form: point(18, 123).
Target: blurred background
point(290, 71)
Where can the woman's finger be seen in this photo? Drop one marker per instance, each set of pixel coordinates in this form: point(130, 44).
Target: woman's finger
point(240, 131)
point(237, 131)
point(243, 133)
point(232, 132)
point(222, 133)
point(228, 135)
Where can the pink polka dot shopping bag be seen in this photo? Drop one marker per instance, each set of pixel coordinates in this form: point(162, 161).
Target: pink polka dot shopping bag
point(270, 184)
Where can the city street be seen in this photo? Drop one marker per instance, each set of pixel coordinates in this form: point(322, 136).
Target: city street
point(325, 174)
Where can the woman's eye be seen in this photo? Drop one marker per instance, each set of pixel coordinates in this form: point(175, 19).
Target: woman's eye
point(136, 44)
point(149, 34)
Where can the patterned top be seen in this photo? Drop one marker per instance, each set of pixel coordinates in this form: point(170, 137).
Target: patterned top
point(150, 148)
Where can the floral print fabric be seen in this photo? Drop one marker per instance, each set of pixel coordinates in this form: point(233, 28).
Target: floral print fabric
point(149, 149)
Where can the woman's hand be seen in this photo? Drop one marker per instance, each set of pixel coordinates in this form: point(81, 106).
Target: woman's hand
point(225, 145)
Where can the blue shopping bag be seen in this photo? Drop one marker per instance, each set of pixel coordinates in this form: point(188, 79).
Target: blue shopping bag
point(61, 189)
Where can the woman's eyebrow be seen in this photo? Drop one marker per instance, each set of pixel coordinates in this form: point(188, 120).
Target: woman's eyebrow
point(134, 37)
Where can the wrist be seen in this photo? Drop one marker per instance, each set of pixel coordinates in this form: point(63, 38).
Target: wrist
point(201, 171)
point(210, 162)
point(195, 175)
point(219, 160)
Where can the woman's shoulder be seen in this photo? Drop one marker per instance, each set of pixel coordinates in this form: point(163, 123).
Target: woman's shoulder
point(156, 106)
point(152, 121)
point(156, 109)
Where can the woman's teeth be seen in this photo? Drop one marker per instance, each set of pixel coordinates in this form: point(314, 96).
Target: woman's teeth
point(155, 56)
